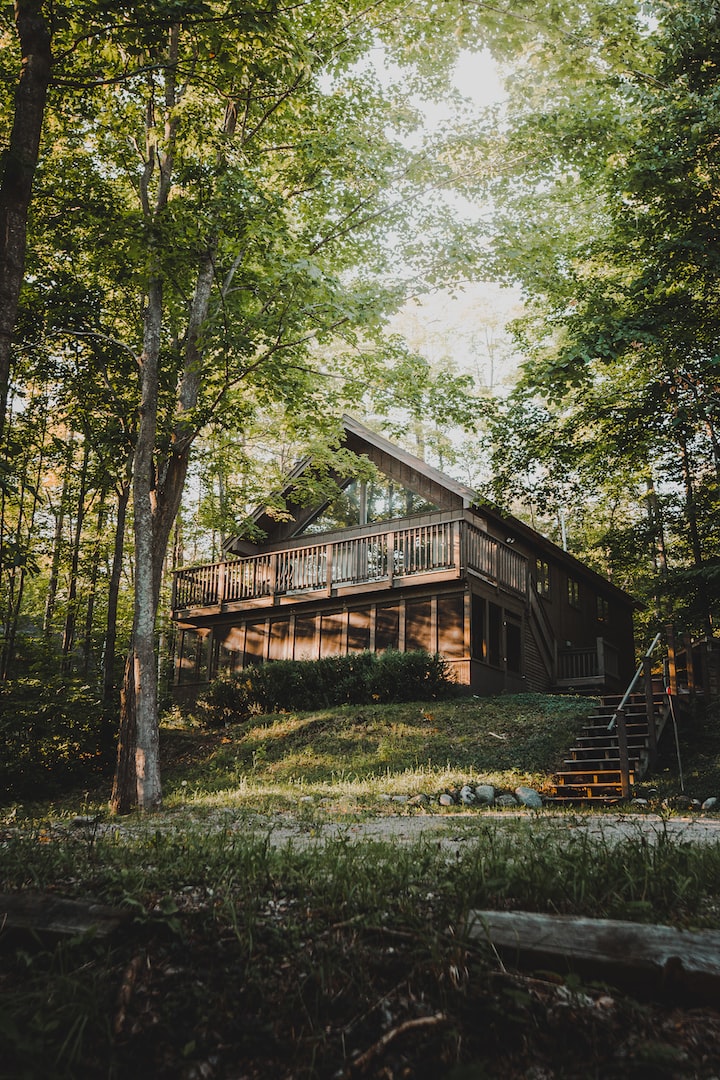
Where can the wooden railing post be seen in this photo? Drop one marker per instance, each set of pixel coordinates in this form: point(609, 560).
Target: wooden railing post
point(329, 568)
point(273, 573)
point(600, 645)
point(650, 710)
point(221, 583)
point(623, 753)
point(390, 550)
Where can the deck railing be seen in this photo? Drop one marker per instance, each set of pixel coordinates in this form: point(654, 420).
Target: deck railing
point(381, 556)
point(578, 666)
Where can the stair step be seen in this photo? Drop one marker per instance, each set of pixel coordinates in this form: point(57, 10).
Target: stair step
point(599, 777)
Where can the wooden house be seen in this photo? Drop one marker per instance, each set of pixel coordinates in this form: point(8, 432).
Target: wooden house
point(407, 560)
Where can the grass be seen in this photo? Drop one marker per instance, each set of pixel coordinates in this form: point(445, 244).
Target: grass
point(360, 753)
point(247, 954)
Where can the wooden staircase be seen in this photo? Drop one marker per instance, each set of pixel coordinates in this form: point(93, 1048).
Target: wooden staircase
point(592, 771)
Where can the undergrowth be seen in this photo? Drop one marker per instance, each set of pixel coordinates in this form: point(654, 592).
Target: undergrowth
point(241, 957)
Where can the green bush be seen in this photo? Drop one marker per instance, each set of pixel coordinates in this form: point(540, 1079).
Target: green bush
point(300, 685)
point(52, 735)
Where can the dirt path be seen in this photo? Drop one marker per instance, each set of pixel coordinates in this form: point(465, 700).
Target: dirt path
point(452, 830)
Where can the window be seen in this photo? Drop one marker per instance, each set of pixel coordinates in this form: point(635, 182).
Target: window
point(367, 502)
point(542, 577)
point(603, 609)
point(573, 592)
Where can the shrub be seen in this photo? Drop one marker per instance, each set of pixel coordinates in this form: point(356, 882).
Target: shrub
point(52, 733)
point(355, 679)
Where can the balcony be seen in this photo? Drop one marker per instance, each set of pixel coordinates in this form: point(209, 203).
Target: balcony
point(373, 558)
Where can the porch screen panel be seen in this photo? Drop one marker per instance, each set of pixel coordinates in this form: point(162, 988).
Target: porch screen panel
point(331, 636)
point(279, 638)
point(255, 643)
point(232, 648)
point(188, 656)
point(306, 644)
point(418, 626)
point(451, 619)
point(358, 631)
point(387, 628)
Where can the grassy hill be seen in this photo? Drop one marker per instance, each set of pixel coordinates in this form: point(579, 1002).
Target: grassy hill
point(364, 752)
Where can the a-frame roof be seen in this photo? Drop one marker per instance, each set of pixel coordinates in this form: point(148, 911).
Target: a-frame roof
point(430, 483)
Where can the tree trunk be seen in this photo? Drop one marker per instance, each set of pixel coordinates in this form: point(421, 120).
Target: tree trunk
point(108, 691)
point(68, 639)
point(137, 777)
point(19, 162)
point(51, 598)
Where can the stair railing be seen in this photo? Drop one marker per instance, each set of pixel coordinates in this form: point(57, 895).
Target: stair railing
point(633, 682)
point(618, 718)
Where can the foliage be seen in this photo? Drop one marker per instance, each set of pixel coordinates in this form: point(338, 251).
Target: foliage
point(52, 734)
point(334, 680)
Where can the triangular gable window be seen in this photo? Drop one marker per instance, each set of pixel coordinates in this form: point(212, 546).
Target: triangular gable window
point(368, 502)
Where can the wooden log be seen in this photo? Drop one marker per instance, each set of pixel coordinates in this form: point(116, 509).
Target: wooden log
point(655, 960)
point(45, 913)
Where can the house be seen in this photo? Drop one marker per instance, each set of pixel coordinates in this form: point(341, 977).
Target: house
point(406, 560)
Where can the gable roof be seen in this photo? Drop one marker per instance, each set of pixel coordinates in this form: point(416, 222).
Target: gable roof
point(411, 471)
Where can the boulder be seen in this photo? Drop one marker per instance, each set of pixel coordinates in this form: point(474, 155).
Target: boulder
point(528, 797)
point(710, 804)
point(506, 800)
point(467, 795)
point(446, 799)
point(485, 794)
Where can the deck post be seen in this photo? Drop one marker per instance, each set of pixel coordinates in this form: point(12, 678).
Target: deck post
point(273, 574)
point(650, 710)
point(329, 568)
point(623, 753)
point(221, 583)
point(390, 555)
point(600, 645)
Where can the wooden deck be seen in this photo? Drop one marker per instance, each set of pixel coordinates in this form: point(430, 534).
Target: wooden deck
point(378, 558)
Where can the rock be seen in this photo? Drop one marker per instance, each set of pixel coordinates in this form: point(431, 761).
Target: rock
point(384, 797)
point(506, 800)
point(81, 821)
point(446, 799)
point(419, 800)
point(639, 802)
point(400, 798)
point(679, 802)
point(710, 804)
point(528, 797)
point(485, 794)
point(467, 795)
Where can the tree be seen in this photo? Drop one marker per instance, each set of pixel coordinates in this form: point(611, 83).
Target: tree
point(18, 168)
point(608, 218)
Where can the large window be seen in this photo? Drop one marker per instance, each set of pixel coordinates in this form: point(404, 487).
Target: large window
point(368, 502)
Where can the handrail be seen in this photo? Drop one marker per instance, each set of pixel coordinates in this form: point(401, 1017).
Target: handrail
point(634, 679)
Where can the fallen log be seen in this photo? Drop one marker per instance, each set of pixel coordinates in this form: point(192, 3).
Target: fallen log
point(655, 960)
point(44, 913)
